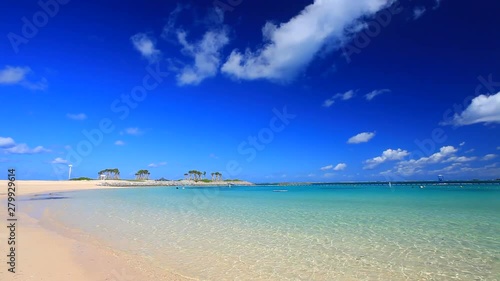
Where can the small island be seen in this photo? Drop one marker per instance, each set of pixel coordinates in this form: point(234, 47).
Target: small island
point(111, 177)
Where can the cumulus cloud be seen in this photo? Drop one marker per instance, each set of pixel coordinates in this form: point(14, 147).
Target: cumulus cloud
point(418, 12)
point(78, 116)
point(59, 160)
point(460, 159)
point(206, 55)
point(340, 167)
point(17, 75)
point(410, 167)
point(387, 155)
point(23, 148)
point(8, 145)
point(375, 93)
point(438, 156)
point(156, 165)
point(483, 109)
point(13, 75)
point(7, 142)
point(339, 96)
point(289, 47)
point(119, 142)
point(146, 46)
point(361, 137)
point(489, 157)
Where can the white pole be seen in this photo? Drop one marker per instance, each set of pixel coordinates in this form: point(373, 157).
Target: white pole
point(69, 174)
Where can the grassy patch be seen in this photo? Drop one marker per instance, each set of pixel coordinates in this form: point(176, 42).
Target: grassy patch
point(81, 179)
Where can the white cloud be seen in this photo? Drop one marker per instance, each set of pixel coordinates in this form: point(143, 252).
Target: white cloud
point(483, 109)
point(23, 148)
point(387, 155)
point(329, 102)
point(340, 167)
point(361, 137)
point(460, 159)
point(328, 175)
point(289, 47)
point(437, 157)
point(134, 131)
point(375, 93)
point(413, 166)
point(156, 165)
point(146, 46)
point(78, 116)
point(13, 75)
point(119, 142)
point(418, 12)
point(6, 142)
point(206, 54)
point(498, 147)
point(489, 157)
point(16, 75)
point(326, 168)
point(170, 28)
point(343, 96)
point(59, 160)
point(462, 143)
point(346, 96)
point(8, 145)
point(470, 150)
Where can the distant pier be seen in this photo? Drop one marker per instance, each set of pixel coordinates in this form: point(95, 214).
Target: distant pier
point(386, 183)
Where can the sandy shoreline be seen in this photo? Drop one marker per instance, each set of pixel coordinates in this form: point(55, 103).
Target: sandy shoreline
point(43, 254)
point(26, 187)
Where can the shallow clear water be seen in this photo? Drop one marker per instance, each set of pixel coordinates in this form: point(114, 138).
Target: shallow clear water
point(307, 233)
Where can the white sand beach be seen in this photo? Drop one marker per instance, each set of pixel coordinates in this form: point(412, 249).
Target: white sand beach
point(49, 256)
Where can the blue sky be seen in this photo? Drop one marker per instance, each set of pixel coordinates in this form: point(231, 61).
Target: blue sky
point(331, 90)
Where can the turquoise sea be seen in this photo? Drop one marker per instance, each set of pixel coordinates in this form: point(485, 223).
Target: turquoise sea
point(321, 232)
